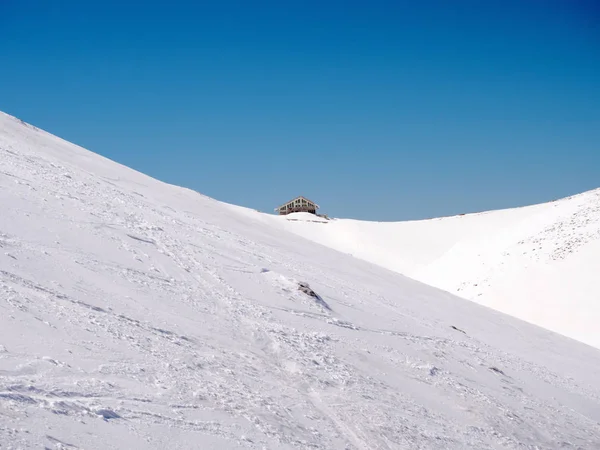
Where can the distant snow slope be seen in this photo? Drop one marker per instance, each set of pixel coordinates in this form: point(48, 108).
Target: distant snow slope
point(539, 263)
point(135, 314)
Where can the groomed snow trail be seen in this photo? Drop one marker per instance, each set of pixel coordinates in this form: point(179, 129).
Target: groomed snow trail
point(136, 314)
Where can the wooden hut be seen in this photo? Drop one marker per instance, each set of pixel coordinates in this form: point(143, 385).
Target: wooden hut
point(299, 204)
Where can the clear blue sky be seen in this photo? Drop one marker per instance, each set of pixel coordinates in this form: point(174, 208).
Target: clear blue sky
point(376, 110)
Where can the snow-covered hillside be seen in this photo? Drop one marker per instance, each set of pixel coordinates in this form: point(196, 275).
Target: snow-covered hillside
point(538, 263)
point(136, 314)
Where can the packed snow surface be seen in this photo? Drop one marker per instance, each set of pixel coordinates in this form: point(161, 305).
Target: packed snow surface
point(136, 314)
point(539, 263)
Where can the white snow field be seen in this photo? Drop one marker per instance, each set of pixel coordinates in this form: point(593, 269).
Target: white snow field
point(140, 315)
point(539, 263)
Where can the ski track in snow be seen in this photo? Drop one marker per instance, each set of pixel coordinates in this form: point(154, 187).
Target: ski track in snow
point(135, 314)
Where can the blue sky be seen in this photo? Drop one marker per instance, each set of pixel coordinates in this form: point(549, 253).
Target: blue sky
point(376, 110)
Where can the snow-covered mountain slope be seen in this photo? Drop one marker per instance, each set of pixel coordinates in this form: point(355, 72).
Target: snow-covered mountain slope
point(538, 263)
point(136, 314)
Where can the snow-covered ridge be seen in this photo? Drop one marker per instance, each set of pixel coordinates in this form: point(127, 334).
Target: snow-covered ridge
point(539, 263)
point(137, 314)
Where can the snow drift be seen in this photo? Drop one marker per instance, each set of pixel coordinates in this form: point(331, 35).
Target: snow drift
point(136, 314)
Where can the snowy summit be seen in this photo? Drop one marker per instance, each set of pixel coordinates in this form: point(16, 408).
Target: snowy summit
point(137, 314)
